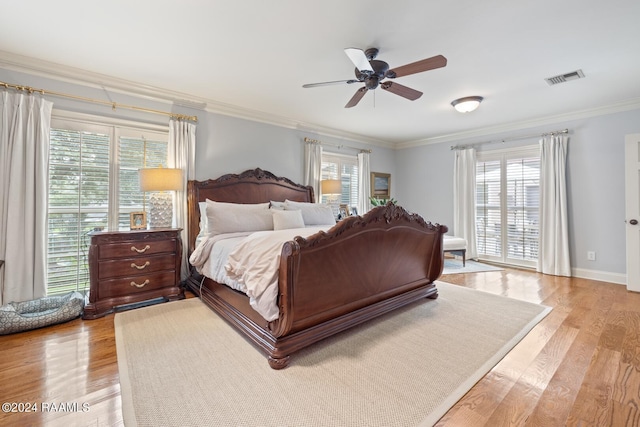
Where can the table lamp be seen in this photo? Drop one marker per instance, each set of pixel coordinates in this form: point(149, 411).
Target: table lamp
point(331, 188)
point(160, 181)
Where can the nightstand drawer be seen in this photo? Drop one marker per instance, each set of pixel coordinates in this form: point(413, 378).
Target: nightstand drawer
point(142, 247)
point(136, 284)
point(125, 267)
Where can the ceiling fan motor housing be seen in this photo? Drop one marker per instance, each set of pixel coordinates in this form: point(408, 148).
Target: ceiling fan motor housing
point(371, 80)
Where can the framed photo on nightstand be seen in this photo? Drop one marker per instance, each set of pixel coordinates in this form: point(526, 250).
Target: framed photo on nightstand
point(138, 220)
point(344, 211)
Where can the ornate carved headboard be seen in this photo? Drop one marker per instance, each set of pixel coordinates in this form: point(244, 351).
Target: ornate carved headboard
point(251, 186)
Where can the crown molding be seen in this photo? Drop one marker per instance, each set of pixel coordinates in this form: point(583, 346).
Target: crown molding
point(77, 76)
point(628, 105)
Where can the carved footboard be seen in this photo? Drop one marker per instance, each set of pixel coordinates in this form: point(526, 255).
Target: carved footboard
point(360, 269)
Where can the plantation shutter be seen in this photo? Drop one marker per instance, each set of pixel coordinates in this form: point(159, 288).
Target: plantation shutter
point(350, 184)
point(488, 211)
point(523, 203)
point(78, 202)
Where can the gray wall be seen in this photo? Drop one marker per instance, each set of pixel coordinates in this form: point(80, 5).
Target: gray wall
point(595, 177)
point(231, 145)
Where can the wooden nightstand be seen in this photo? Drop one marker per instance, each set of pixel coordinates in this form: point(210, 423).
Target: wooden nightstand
point(128, 267)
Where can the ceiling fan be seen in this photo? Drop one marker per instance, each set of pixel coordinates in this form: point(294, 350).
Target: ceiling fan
point(372, 72)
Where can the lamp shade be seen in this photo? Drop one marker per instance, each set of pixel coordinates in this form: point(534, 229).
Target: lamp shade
point(331, 186)
point(467, 104)
point(160, 179)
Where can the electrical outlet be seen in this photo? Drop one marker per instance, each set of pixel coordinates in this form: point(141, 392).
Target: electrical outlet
point(591, 255)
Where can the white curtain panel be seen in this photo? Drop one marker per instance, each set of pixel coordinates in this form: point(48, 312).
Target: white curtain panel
point(24, 172)
point(313, 167)
point(553, 251)
point(364, 182)
point(464, 198)
point(182, 155)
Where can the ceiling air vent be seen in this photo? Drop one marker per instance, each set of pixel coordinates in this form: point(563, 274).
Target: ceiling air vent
point(578, 74)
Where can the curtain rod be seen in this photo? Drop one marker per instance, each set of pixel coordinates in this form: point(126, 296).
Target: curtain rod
point(515, 138)
point(315, 141)
point(113, 105)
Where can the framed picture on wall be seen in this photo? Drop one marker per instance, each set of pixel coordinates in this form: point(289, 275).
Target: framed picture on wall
point(380, 185)
point(138, 220)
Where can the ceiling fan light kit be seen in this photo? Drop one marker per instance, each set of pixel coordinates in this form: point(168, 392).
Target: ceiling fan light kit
point(467, 104)
point(372, 72)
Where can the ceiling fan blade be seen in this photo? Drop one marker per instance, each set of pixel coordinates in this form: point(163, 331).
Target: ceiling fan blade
point(418, 66)
point(403, 91)
point(356, 98)
point(359, 59)
point(336, 82)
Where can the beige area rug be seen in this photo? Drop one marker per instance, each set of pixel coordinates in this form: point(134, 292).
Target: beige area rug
point(182, 365)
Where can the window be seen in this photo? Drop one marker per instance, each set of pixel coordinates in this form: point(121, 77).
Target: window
point(344, 168)
point(93, 183)
point(507, 203)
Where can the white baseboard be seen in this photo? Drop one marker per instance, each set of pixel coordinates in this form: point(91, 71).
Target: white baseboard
point(602, 276)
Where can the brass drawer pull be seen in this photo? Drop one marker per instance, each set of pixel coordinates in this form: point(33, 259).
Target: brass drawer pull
point(140, 267)
point(140, 251)
point(140, 285)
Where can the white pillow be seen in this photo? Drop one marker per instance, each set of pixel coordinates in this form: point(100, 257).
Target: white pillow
point(283, 220)
point(239, 206)
point(312, 213)
point(235, 217)
point(277, 205)
point(203, 219)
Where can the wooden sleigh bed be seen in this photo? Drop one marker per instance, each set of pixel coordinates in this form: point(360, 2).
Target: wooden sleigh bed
point(359, 269)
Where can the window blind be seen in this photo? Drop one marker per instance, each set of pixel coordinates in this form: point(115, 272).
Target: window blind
point(78, 202)
point(523, 203)
point(488, 209)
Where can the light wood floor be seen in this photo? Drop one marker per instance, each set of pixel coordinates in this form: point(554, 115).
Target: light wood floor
point(580, 366)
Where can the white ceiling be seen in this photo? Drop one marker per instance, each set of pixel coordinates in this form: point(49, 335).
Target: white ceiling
point(253, 56)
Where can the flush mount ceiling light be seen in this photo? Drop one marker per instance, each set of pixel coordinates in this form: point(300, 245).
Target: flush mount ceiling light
point(467, 104)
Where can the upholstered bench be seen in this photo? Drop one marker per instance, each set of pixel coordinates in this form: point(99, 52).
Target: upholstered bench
point(456, 246)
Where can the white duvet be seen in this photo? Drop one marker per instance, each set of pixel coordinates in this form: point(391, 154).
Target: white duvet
point(248, 262)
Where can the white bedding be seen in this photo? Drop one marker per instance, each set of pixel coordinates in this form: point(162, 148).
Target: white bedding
point(248, 262)
point(210, 257)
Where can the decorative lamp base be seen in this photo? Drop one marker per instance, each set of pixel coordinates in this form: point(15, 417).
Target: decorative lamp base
point(161, 210)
